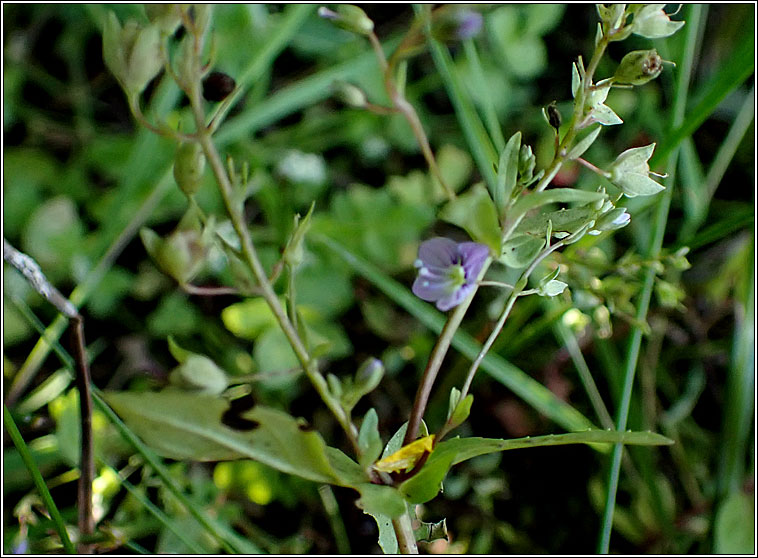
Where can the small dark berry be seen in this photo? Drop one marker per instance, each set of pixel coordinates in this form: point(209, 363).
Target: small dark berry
point(217, 86)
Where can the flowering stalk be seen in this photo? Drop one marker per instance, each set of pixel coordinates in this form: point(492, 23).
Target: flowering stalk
point(251, 258)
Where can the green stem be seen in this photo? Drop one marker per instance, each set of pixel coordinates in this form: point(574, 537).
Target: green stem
point(406, 540)
point(435, 361)
point(401, 104)
point(251, 258)
point(26, 456)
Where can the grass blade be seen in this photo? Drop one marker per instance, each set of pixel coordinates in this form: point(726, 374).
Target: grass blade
point(643, 303)
point(23, 450)
point(473, 129)
point(531, 391)
point(304, 92)
point(724, 82)
point(490, 114)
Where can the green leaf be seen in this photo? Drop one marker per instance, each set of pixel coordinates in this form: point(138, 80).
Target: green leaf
point(369, 441)
point(467, 448)
point(734, 525)
point(564, 221)
point(429, 532)
point(188, 426)
point(507, 173)
point(520, 250)
point(201, 374)
point(585, 143)
point(378, 500)
point(426, 484)
point(557, 195)
point(475, 212)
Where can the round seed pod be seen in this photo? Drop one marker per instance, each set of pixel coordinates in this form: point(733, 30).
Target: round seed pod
point(189, 165)
point(217, 86)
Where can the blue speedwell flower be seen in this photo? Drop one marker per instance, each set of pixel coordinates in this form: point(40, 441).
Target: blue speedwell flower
point(447, 270)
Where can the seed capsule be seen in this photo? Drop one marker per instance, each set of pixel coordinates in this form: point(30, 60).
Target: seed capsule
point(189, 165)
point(217, 86)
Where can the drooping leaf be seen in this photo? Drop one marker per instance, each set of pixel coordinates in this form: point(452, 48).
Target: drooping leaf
point(189, 426)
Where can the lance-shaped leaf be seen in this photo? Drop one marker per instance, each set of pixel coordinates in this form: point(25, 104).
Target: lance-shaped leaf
point(507, 173)
point(425, 485)
point(557, 195)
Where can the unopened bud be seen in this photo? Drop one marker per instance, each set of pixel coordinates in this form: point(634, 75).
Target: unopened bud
point(639, 67)
point(369, 375)
point(615, 219)
point(166, 16)
point(349, 94)
point(217, 86)
point(348, 17)
point(526, 163)
point(189, 165)
point(132, 53)
point(456, 24)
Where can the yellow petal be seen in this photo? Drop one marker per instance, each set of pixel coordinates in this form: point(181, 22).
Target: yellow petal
point(407, 456)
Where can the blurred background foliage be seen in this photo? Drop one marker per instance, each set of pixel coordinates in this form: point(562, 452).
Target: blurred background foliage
point(80, 178)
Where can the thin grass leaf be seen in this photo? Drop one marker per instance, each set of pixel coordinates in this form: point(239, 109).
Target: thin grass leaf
point(643, 302)
point(531, 391)
point(567, 338)
point(471, 125)
point(164, 519)
point(26, 455)
point(699, 200)
point(740, 387)
point(729, 78)
point(488, 106)
point(221, 533)
point(303, 93)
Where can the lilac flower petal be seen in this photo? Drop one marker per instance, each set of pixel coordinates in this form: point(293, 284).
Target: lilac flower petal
point(469, 24)
point(438, 252)
point(473, 257)
point(430, 290)
point(455, 298)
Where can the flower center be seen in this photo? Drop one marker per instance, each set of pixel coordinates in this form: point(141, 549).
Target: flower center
point(456, 275)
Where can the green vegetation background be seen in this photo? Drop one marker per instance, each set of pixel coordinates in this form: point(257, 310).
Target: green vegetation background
point(79, 179)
